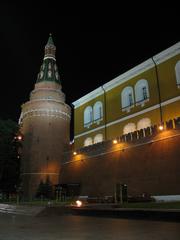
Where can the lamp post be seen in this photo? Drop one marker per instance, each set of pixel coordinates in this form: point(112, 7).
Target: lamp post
point(18, 191)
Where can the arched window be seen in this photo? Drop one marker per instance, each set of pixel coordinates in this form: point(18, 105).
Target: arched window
point(141, 91)
point(177, 70)
point(98, 138)
point(143, 123)
point(130, 127)
point(98, 111)
point(88, 116)
point(88, 141)
point(127, 98)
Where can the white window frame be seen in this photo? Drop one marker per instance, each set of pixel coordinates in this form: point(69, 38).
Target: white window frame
point(98, 112)
point(125, 101)
point(177, 71)
point(88, 115)
point(140, 100)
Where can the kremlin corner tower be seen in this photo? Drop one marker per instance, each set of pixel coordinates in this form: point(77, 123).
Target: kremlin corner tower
point(45, 125)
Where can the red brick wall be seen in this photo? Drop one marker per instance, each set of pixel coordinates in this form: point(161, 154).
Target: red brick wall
point(153, 167)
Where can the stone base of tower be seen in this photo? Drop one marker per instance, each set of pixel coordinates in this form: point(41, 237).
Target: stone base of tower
point(31, 183)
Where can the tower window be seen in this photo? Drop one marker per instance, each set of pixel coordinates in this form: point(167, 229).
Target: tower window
point(49, 73)
point(41, 74)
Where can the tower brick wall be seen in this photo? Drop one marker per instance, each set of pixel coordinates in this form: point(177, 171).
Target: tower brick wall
point(45, 125)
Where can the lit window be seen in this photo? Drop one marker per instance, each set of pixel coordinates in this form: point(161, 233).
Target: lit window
point(177, 70)
point(98, 138)
point(98, 111)
point(141, 91)
point(88, 141)
point(127, 98)
point(143, 123)
point(130, 127)
point(88, 118)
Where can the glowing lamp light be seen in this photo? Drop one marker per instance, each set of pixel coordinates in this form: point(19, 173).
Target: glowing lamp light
point(114, 141)
point(78, 203)
point(161, 127)
point(19, 137)
point(74, 153)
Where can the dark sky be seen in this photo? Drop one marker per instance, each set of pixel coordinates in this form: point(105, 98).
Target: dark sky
point(92, 48)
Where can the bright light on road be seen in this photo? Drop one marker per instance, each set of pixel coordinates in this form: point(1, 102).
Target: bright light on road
point(78, 203)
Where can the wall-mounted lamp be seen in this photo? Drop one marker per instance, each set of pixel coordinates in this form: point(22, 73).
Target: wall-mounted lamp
point(74, 153)
point(114, 141)
point(161, 127)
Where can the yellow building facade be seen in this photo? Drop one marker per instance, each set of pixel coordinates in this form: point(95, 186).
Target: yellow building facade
point(147, 95)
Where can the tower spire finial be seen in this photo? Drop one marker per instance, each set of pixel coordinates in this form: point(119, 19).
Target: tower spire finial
point(50, 48)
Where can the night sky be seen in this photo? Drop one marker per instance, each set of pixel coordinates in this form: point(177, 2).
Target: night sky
point(92, 48)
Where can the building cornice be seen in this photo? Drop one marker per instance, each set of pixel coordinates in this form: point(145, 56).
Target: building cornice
point(168, 53)
point(148, 64)
point(97, 92)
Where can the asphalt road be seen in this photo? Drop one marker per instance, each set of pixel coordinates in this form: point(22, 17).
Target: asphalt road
point(84, 227)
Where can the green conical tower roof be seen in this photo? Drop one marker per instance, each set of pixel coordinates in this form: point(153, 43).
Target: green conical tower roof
point(49, 70)
point(50, 40)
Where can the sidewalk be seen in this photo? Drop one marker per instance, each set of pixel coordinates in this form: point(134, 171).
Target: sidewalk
point(20, 209)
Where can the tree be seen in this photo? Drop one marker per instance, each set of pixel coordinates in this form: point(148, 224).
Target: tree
point(9, 156)
point(45, 190)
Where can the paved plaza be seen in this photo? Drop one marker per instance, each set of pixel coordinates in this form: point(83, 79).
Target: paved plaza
point(16, 227)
